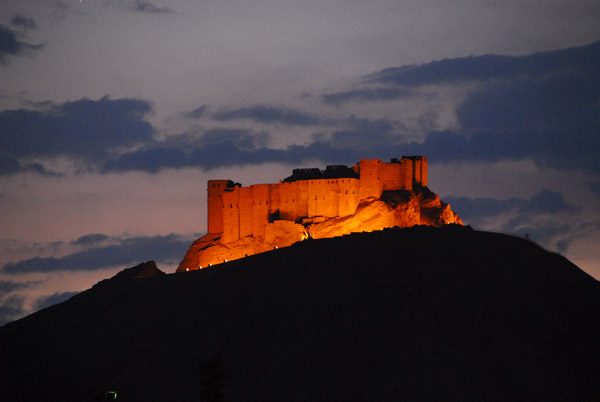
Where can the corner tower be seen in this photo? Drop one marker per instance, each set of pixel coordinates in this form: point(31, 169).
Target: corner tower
point(419, 169)
point(215, 204)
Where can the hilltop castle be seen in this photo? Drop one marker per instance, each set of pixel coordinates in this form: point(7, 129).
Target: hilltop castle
point(370, 195)
point(236, 212)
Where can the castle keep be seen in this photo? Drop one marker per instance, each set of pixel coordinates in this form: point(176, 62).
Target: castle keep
point(309, 195)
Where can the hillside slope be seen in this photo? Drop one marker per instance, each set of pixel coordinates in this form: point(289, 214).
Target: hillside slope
point(418, 314)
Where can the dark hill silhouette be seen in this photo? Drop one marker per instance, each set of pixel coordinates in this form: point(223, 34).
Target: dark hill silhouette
point(418, 314)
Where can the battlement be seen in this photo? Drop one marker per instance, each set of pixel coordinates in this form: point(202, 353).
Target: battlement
point(330, 172)
point(236, 212)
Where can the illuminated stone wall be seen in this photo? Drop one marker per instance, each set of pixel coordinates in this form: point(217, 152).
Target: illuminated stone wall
point(237, 212)
point(370, 178)
point(348, 196)
point(245, 204)
point(397, 175)
point(215, 204)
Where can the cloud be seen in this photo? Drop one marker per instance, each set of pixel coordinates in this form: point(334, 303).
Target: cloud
point(213, 148)
point(83, 129)
point(490, 67)
point(12, 308)
point(223, 153)
point(223, 147)
point(59, 9)
point(147, 7)
point(50, 300)
point(543, 202)
point(12, 305)
point(10, 45)
point(547, 202)
point(547, 148)
point(244, 139)
point(197, 113)
point(10, 166)
point(124, 252)
point(7, 287)
point(269, 115)
point(366, 95)
point(23, 21)
point(595, 187)
point(91, 240)
point(544, 107)
point(369, 137)
point(545, 217)
point(553, 119)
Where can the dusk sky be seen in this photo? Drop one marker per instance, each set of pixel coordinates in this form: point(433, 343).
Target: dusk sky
point(115, 113)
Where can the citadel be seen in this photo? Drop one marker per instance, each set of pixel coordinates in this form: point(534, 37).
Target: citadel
point(314, 203)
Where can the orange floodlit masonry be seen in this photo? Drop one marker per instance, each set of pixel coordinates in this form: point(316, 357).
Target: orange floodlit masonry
point(370, 195)
point(236, 212)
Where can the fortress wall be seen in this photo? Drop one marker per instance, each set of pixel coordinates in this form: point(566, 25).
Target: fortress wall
point(301, 199)
point(274, 198)
point(260, 208)
point(293, 202)
point(231, 215)
point(287, 207)
point(245, 211)
point(348, 196)
point(397, 175)
point(323, 198)
point(370, 181)
point(237, 212)
point(332, 198)
point(315, 196)
point(215, 205)
point(406, 174)
point(390, 176)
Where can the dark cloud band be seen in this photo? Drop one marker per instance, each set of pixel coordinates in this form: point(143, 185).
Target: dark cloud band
point(83, 129)
point(269, 115)
point(124, 252)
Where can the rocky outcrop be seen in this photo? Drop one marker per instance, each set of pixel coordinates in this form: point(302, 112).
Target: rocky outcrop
point(400, 208)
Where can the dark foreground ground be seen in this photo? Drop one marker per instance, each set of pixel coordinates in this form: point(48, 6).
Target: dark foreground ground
point(418, 314)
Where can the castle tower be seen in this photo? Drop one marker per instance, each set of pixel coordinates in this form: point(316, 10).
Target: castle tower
point(397, 175)
point(215, 204)
point(370, 181)
point(419, 169)
point(423, 171)
point(231, 215)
